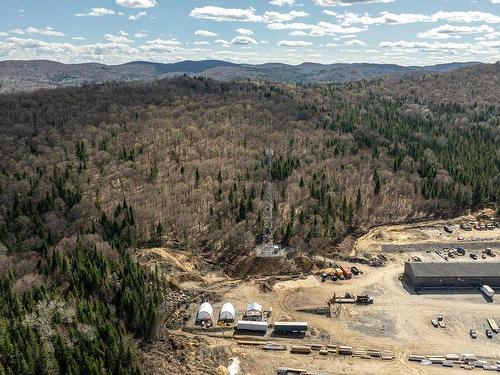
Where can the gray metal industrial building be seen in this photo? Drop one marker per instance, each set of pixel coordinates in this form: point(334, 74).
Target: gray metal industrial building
point(435, 275)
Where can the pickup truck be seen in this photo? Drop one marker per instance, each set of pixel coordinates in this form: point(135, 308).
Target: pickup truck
point(441, 322)
point(473, 334)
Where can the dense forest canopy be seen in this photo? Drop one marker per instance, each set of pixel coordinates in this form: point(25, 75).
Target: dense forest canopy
point(88, 173)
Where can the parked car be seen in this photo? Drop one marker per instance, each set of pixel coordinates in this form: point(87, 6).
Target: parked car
point(460, 251)
point(466, 227)
point(473, 334)
point(489, 334)
point(434, 323)
point(448, 229)
point(355, 270)
point(473, 256)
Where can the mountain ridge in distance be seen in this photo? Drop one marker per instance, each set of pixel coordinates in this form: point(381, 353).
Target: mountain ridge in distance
point(28, 75)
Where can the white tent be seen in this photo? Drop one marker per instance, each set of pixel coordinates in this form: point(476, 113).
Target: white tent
point(227, 312)
point(205, 312)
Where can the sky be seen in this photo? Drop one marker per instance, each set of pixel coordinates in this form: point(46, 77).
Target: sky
point(406, 32)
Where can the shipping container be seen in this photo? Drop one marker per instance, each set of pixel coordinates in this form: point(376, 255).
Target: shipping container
point(347, 273)
point(290, 327)
point(302, 349)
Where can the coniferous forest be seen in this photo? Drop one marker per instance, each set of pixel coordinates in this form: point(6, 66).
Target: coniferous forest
point(88, 174)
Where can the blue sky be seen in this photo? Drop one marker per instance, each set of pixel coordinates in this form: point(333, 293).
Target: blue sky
point(407, 32)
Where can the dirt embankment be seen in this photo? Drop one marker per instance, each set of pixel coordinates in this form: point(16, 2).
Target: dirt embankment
point(429, 234)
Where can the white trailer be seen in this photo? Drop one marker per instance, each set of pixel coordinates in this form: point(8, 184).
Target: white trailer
point(493, 325)
point(487, 290)
point(250, 325)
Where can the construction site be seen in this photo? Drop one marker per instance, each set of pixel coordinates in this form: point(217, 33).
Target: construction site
point(370, 321)
point(414, 298)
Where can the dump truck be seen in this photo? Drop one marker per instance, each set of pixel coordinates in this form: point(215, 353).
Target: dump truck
point(346, 272)
point(339, 272)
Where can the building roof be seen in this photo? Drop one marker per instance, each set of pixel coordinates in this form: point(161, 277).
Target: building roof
point(227, 308)
point(254, 306)
point(205, 308)
point(454, 269)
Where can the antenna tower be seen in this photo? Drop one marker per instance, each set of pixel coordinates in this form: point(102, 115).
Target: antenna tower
point(268, 216)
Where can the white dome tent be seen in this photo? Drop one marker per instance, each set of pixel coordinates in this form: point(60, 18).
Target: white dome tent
point(205, 312)
point(227, 312)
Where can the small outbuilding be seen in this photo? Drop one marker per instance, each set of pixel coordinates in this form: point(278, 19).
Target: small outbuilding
point(253, 312)
point(205, 312)
point(227, 312)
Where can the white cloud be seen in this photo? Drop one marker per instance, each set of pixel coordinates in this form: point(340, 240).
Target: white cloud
point(136, 3)
point(298, 33)
point(47, 31)
point(264, 42)
point(283, 17)
point(135, 17)
point(354, 42)
point(78, 38)
point(96, 12)
point(164, 42)
point(449, 31)
point(201, 43)
point(387, 18)
point(294, 43)
point(320, 29)
point(428, 46)
point(205, 33)
point(332, 3)
point(243, 40)
point(331, 45)
point(245, 32)
point(122, 33)
point(222, 42)
point(349, 18)
point(118, 39)
point(243, 15)
point(466, 16)
point(225, 14)
point(141, 34)
point(161, 45)
point(280, 3)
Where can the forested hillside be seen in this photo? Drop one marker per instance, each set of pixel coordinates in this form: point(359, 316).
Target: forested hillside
point(87, 174)
point(18, 75)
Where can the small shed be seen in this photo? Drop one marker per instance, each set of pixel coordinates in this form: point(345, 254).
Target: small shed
point(253, 311)
point(205, 312)
point(254, 307)
point(227, 312)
